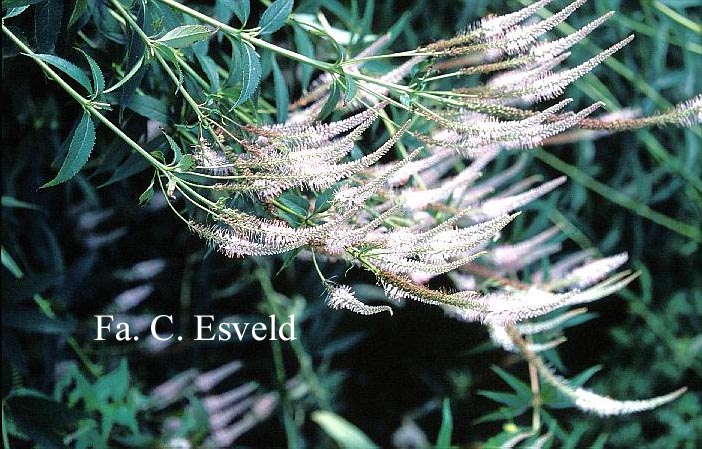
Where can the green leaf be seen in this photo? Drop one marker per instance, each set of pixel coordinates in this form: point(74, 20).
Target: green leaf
point(145, 197)
point(210, 68)
point(66, 67)
point(508, 399)
point(303, 44)
point(275, 16)
point(342, 432)
point(322, 202)
point(9, 263)
point(444, 438)
point(82, 142)
point(12, 202)
point(47, 24)
point(135, 163)
point(185, 36)
point(96, 72)
point(331, 103)
point(127, 77)
point(14, 12)
point(8, 4)
point(149, 107)
point(187, 163)
point(522, 389)
point(241, 9)
point(78, 10)
point(289, 258)
point(249, 72)
point(350, 89)
point(282, 97)
point(177, 152)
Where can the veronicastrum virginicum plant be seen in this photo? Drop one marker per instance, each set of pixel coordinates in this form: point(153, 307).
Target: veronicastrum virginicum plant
point(303, 188)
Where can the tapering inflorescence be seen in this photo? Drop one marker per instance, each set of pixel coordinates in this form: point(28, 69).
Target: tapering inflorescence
point(420, 206)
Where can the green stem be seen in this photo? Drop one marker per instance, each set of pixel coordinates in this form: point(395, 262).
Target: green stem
point(303, 358)
point(288, 421)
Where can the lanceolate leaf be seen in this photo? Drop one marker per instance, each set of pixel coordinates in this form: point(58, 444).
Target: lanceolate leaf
point(7, 4)
point(444, 438)
point(241, 9)
point(98, 78)
point(282, 97)
point(250, 72)
point(82, 142)
point(186, 35)
point(78, 11)
point(345, 434)
point(305, 47)
point(47, 24)
point(14, 12)
point(350, 88)
point(331, 103)
point(275, 16)
point(68, 68)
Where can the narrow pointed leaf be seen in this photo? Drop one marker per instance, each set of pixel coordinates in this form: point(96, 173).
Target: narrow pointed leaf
point(82, 142)
point(331, 103)
point(96, 72)
point(240, 8)
point(185, 36)
point(250, 72)
point(78, 11)
point(282, 97)
point(275, 16)
point(351, 89)
point(342, 432)
point(444, 438)
point(304, 46)
point(68, 68)
point(47, 24)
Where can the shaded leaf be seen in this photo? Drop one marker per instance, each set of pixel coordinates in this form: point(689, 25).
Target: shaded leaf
point(82, 142)
point(241, 9)
point(282, 97)
point(275, 16)
point(14, 12)
point(304, 46)
point(249, 72)
point(8, 4)
point(78, 10)
point(47, 24)
point(33, 321)
point(68, 68)
point(185, 36)
point(9, 263)
point(331, 103)
point(149, 107)
point(444, 438)
point(96, 72)
point(342, 432)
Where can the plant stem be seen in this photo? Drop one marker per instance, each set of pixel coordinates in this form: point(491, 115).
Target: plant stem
point(288, 420)
point(303, 358)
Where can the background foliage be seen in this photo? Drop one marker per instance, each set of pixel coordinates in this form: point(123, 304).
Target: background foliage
point(70, 251)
